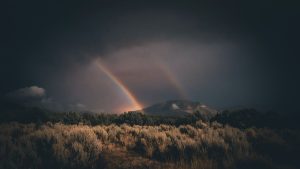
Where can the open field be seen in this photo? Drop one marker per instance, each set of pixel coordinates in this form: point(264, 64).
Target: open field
point(198, 145)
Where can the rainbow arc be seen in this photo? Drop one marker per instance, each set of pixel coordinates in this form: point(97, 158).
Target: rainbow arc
point(135, 105)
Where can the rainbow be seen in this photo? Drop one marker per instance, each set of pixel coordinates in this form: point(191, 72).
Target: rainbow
point(135, 105)
point(173, 80)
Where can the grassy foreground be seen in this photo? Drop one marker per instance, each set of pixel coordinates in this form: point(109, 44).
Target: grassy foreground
point(199, 145)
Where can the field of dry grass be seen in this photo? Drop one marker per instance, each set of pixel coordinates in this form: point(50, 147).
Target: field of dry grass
point(200, 145)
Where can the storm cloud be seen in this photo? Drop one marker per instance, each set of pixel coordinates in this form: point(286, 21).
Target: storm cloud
point(224, 54)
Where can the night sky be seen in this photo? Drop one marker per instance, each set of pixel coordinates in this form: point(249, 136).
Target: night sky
point(222, 53)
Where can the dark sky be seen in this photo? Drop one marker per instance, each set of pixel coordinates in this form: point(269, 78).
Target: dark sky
point(221, 53)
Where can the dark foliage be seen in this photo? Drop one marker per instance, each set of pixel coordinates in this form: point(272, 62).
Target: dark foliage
point(36, 115)
point(246, 118)
point(243, 118)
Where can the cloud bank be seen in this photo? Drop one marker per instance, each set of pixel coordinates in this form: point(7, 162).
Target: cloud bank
point(222, 53)
point(35, 97)
point(32, 92)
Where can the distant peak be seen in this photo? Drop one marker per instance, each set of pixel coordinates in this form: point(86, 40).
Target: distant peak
point(179, 108)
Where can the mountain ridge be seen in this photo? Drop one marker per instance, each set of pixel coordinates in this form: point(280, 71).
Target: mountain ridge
point(180, 108)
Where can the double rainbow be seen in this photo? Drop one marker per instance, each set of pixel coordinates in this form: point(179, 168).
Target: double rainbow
point(135, 104)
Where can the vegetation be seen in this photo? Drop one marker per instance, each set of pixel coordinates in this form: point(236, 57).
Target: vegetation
point(137, 118)
point(197, 145)
point(230, 140)
point(244, 118)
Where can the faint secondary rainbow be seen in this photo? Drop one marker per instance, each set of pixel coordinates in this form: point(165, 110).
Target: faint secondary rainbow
point(135, 105)
point(172, 79)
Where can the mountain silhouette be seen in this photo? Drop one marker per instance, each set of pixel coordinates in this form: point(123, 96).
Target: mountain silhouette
point(180, 108)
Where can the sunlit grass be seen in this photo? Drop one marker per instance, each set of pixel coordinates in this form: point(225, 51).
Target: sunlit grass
point(200, 145)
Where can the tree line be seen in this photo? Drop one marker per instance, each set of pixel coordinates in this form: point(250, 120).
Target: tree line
point(243, 118)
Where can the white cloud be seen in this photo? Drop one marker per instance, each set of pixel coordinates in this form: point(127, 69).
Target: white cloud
point(31, 92)
point(174, 106)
